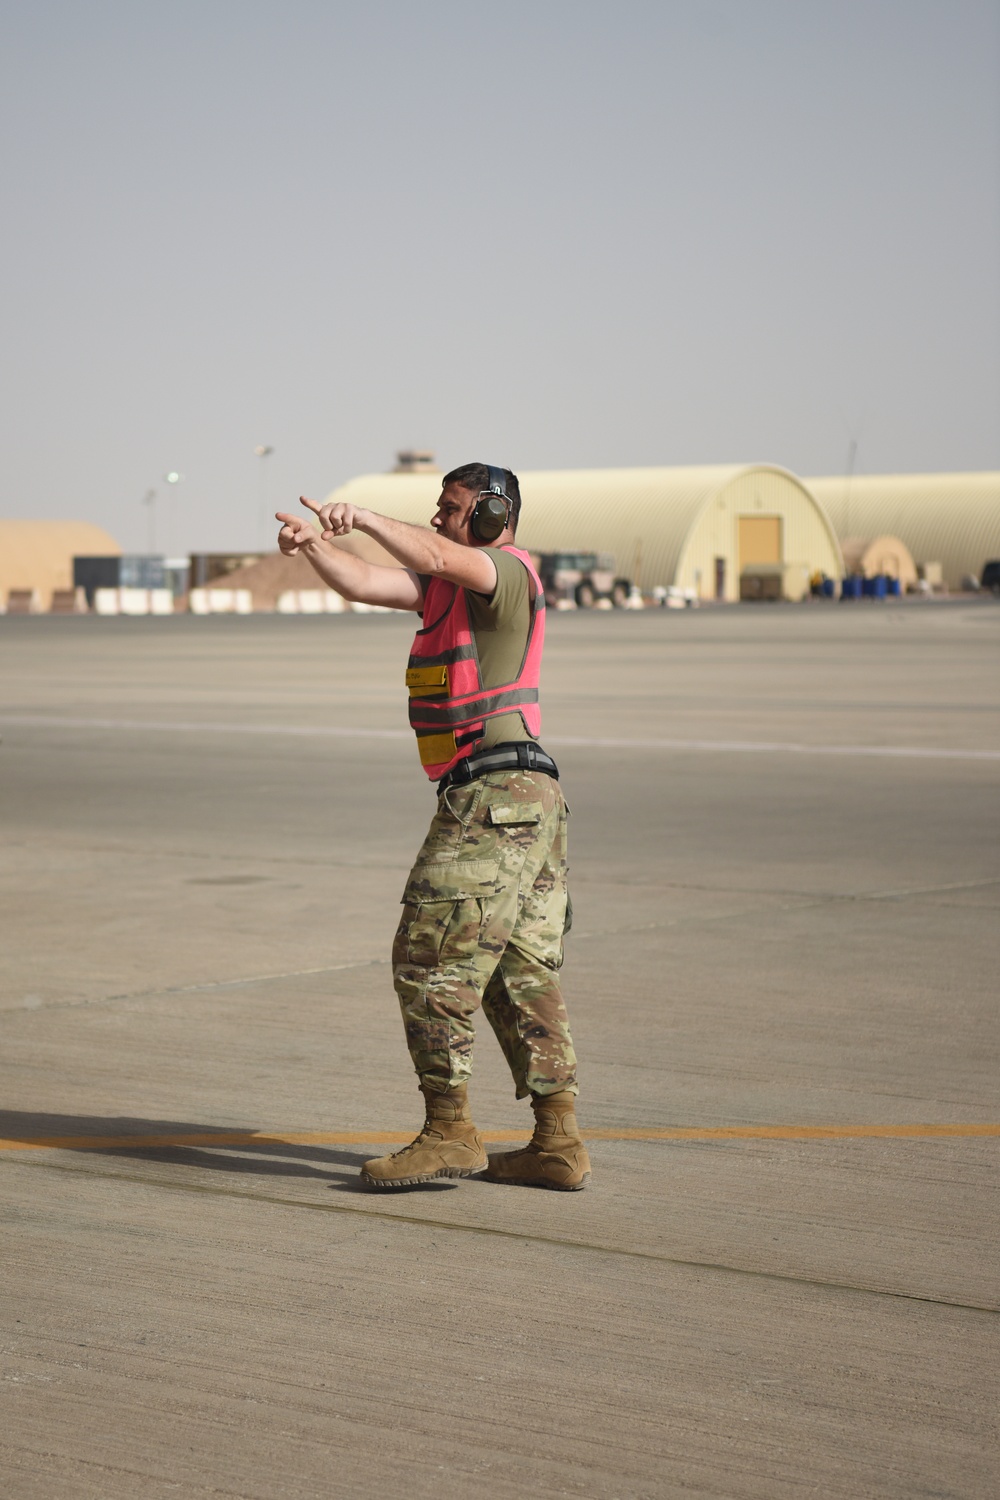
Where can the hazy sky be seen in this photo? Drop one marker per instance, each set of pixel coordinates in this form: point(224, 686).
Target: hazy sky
point(548, 233)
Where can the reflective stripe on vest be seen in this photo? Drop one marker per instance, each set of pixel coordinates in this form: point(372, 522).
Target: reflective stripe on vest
point(449, 704)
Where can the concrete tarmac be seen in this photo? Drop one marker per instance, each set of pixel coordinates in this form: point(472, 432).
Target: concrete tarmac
point(782, 977)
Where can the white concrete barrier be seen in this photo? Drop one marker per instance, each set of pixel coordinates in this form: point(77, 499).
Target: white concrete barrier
point(310, 602)
point(133, 601)
point(106, 602)
point(161, 602)
point(212, 601)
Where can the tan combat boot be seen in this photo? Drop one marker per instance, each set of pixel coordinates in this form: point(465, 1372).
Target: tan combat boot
point(448, 1146)
point(555, 1157)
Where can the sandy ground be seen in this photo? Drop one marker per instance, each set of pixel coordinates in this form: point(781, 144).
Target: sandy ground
point(783, 977)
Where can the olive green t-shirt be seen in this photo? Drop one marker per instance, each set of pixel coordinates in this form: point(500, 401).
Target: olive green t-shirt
point(500, 625)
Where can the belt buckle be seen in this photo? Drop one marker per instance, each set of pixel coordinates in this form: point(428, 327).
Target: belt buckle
point(461, 774)
point(527, 756)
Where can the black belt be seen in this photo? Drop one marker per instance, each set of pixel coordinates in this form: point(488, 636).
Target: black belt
point(512, 755)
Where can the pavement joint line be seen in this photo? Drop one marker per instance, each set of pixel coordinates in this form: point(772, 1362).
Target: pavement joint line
point(225, 1139)
point(117, 1470)
point(221, 856)
point(580, 878)
point(807, 902)
point(774, 893)
point(784, 901)
point(819, 897)
point(526, 1237)
point(803, 897)
point(188, 989)
point(321, 731)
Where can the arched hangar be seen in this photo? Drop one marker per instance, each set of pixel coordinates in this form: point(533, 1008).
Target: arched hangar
point(951, 519)
point(708, 529)
point(38, 555)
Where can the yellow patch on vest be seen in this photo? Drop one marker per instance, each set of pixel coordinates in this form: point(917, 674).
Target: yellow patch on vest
point(427, 682)
point(436, 749)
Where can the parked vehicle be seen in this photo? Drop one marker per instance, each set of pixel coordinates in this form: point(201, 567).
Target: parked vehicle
point(581, 578)
point(990, 578)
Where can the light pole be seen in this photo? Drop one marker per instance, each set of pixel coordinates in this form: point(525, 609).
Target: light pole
point(149, 501)
point(263, 452)
point(172, 477)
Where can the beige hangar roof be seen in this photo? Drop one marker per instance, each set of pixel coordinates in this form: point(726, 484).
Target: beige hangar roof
point(39, 554)
point(953, 519)
point(664, 526)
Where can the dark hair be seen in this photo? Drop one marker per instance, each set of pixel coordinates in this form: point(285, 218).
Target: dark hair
point(476, 477)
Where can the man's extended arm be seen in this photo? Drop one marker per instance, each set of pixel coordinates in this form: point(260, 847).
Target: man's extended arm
point(350, 576)
point(417, 547)
point(420, 550)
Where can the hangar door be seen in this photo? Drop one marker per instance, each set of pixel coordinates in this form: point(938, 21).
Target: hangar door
point(760, 540)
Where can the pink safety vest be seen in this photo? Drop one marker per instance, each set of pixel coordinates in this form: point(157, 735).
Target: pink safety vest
point(449, 705)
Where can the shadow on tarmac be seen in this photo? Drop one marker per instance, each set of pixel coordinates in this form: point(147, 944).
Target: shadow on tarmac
point(71, 1132)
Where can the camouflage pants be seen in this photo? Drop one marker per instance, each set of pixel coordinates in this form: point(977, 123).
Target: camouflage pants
point(484, 912)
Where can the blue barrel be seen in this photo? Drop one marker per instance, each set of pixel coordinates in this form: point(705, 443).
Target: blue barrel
point(868, 588)
point(828, 588)
point(894, 589)
point(879, 589)
point(851, 588)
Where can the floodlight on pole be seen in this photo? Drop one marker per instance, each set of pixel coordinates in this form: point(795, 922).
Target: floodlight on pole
point(172, 476)
point(149, 501)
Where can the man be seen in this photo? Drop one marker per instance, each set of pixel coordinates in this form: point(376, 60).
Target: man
point(484, 908)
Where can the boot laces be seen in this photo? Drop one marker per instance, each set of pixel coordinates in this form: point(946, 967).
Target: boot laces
point(418, 1140)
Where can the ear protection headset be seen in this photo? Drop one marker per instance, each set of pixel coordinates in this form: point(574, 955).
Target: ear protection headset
point(491, 515)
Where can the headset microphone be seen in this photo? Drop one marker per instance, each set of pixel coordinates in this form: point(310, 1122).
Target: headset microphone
point(491, 514)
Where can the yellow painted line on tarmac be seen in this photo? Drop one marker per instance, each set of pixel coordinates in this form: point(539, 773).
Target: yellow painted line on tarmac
point(796, 1133)
point(222, 1138)
point(225, 1139)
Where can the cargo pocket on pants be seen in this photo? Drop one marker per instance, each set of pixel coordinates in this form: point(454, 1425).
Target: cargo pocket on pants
point(433, 933)
point(443, 911)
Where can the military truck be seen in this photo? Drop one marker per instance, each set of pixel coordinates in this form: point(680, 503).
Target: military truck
point(581, 579)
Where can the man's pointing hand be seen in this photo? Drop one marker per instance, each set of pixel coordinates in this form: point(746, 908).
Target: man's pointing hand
point(336, 520)
point(295, 532)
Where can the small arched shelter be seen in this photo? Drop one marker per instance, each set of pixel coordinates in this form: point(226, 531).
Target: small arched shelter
point(692, 528)
point(886, 555)
point(951, 519)
point(39, 554)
